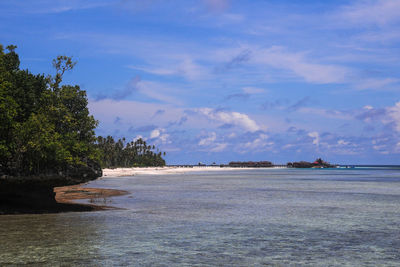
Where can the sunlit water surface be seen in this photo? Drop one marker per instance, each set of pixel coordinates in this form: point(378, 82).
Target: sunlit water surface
point(276, 217)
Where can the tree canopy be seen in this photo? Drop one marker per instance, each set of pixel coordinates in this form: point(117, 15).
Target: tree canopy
point(46, 127)
point(128, 154)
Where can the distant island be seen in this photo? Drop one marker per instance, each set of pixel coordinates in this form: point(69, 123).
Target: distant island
point(250, 164)
point(318, 163)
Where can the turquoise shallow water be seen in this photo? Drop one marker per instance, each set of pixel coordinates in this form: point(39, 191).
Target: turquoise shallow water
point(272, 217)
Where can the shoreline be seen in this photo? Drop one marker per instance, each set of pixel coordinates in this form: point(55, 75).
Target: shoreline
point(65, 197)
point(64, 200)
point(121, 172)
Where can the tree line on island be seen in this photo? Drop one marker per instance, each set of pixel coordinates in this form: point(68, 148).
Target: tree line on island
point(128, 154)
point(318, 163)
point(46, 127)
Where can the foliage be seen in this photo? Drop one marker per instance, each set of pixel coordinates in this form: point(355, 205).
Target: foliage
point(132, 154)
point(44, 127)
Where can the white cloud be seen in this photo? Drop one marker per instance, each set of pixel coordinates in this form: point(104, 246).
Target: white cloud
point(206, 141)
point(378, 12)
point(183, 65)
point(235, 118)
point(232, 135)
point(298, 64)
point(288, 146)
point(155, 133)
point(315, 136)
point(258, 144)
point(368, 107)
point(160, 136)
point(394, 113)
point(382, 36)
point(372, 83)
point(342, 142)
point(219, 147)
point(331, 114)
point(158, 91)
point(191, 70)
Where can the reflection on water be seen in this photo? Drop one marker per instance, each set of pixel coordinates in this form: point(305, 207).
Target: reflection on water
point(242, 218)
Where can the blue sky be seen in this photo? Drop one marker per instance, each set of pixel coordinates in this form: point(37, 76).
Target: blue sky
point(220, 80)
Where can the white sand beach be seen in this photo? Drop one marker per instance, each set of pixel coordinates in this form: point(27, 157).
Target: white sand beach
point(118, 172)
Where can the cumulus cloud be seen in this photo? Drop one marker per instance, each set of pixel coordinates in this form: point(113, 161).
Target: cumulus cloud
point(394, 114)
point(160, 136)
point(227, 117)
point(315, 137)
point(342, 142)
point(155, 133)
point(208, 140)
point(259, 143)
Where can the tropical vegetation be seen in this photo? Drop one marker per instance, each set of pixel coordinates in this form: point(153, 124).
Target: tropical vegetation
point(136, 153)
point(46, 127)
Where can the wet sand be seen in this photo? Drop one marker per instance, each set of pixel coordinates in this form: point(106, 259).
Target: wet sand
point(97, 196)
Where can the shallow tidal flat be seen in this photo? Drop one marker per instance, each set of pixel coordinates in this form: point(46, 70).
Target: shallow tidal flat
point(327, 217)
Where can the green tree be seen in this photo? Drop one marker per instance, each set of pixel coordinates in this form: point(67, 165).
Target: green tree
point(45, 127)
point(132, 154)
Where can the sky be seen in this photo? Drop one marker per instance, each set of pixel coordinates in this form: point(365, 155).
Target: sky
point(224, 80)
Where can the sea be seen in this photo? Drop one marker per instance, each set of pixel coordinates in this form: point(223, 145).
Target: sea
point(258, 217)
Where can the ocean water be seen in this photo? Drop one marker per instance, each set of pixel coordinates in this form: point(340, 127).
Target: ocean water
point(266, 217)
